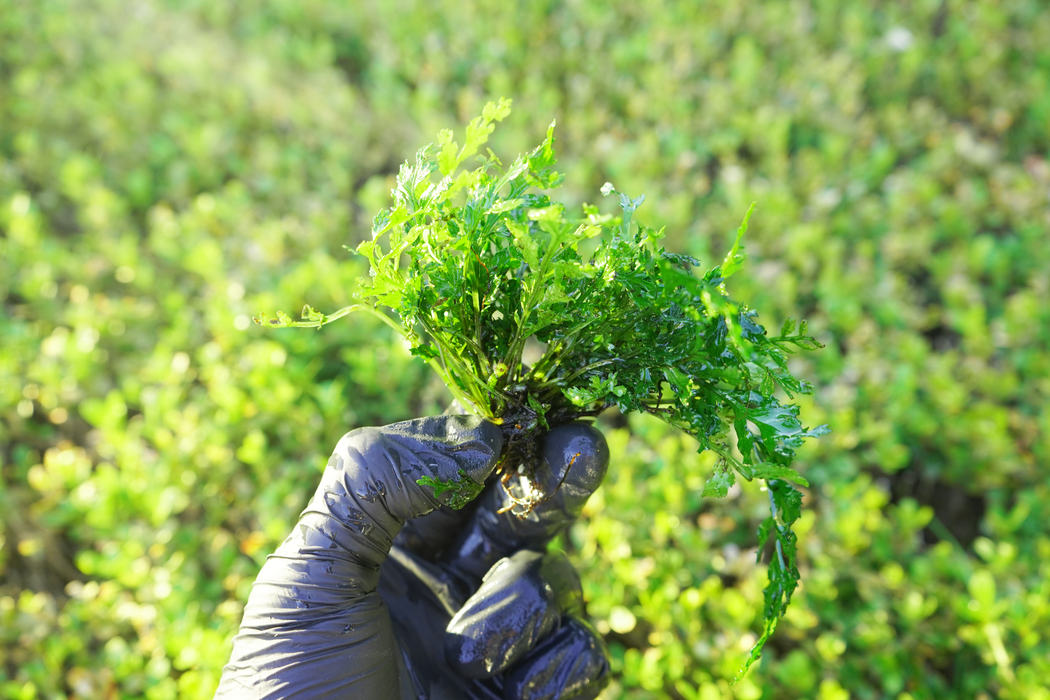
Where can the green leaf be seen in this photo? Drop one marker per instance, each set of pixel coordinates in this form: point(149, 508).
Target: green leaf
point(782, 573)
point(981, 587)
point(447, 153)
point(313, 315)
point(505, 205)
point(498, 372)
point(541, 162)
point(763, 535)
point(580, 396)
point(525, 243)
point(464, 489)
point(540, 409)
point(719, 483)
point(775, 471)
point(776, 420)
point(735, 258)
point(479, 128)
point(787, 500)
point(425, 351)
point(555, 213)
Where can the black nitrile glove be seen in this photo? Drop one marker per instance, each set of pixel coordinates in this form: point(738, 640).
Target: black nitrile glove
point(465, 604)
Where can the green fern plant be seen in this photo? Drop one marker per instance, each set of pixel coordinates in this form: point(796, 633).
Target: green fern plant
point(470, 265)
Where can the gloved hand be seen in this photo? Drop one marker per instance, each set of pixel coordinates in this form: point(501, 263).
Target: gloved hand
point(455, 604)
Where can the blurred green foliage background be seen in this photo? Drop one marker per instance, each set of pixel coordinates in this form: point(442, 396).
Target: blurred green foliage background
point(168, 168)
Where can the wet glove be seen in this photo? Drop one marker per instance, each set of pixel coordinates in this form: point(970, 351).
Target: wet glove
point(382, 592)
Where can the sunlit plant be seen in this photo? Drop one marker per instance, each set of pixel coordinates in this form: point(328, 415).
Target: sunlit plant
point(471, 265)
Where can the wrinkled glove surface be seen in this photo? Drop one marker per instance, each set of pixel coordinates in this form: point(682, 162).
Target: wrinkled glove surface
point(382, 592)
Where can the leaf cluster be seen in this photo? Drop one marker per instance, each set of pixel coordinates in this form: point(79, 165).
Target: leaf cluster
point(478, 263)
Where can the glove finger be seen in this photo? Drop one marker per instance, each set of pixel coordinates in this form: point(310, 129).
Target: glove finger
point(575, 460)
point(520, 601)
point(428, 536)
point(284, 650)
point(367, 492)
point(573, 662)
